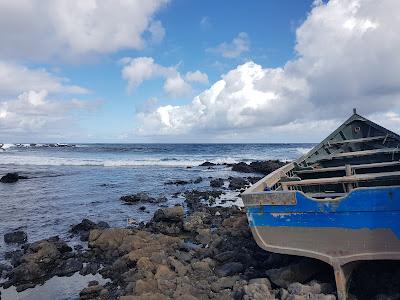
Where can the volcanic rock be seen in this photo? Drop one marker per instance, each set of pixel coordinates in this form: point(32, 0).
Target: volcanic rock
point(16, 237)
point(217, 182)
point(237, 183)
point(11, 178)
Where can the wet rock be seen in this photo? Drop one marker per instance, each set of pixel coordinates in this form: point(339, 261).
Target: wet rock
point(207, 164)
point(85, 226)
point(11, 178)
point(217, 183)
point(229, 269)
point(90, 268)
point(169, 214)
point(177, 182)
point(195, 198)
point(266, 167)
point(69, 267)
point(237, 183)
point(26, 272)
point(142, 197)
point(14, 256)
point(242, 167)
point(263, 167)
point(184, 182)
point(16, 237)
point(90, 292)
point(297, 272)
point(109, 239)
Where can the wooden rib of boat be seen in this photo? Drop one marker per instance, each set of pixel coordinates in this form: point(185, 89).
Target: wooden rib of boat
point(339, 203)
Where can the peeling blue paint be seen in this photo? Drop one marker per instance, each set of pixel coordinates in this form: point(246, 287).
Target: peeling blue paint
point(372, 208)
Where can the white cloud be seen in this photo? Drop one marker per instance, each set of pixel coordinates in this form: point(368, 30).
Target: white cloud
point(176, 86)
point(347, 56)
point(15, 79)
point(157, 32)
point(139, 69)
point(42, 29)
point(197, 76)
point(32, 113)
point(235, 48)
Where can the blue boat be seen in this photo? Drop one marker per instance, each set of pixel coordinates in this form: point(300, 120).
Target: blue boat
point(339, 203)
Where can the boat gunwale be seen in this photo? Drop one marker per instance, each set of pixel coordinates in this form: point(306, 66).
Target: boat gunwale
point(249, 203)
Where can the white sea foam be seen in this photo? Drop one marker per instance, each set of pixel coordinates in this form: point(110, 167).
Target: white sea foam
point(107, 162)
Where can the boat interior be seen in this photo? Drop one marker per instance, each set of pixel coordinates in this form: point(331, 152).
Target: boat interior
point(359, 153)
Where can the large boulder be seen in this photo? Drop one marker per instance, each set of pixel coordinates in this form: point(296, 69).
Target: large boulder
point(262, 167)
point(266, 167)
point(142, 197)
point(16, 237)
point(169, 214)
point(108, 239)
point(83, 228)
point(242, 167)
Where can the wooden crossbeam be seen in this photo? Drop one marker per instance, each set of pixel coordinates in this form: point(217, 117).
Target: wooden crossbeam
point(354, 167)
point(343, 179)
point(361, 140)
point(361, 153)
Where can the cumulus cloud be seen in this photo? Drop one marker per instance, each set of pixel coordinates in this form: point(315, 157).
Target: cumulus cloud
point(137, 70)
point(15, 78)
point(197, 76)
point(41, 29)
point(347, 56)
point(34, 113)
point(35, 102)
point(235, 48)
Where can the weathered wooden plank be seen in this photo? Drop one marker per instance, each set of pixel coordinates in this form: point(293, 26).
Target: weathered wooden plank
point(355, 167)
point(361, 153)
point(344, 179)
point(361, 140)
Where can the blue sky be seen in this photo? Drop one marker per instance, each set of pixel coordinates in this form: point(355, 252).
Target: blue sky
point(191, 28)
point(194, 71)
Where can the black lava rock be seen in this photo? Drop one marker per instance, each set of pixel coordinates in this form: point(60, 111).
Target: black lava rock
point(17, 237)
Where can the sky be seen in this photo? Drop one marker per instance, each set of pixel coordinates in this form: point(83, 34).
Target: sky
point(131, 71)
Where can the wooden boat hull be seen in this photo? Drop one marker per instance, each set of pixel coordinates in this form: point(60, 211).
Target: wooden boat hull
point(363, 225)
point(339, 203)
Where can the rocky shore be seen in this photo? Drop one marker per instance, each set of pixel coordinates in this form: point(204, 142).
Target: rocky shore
point(190, 251)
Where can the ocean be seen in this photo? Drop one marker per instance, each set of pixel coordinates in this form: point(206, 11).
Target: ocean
point(68, 183)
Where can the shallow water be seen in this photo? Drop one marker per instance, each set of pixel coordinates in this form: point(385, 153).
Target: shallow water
point(56, 288)
point(68, 184)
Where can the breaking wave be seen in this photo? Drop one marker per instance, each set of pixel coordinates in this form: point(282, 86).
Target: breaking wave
point(107, 162)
